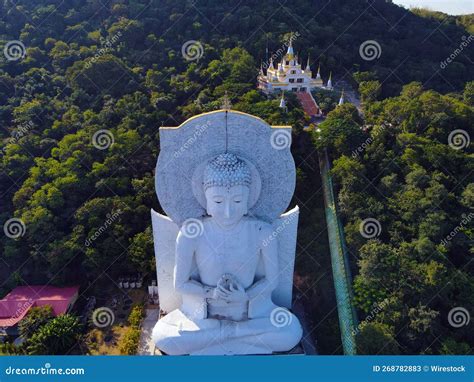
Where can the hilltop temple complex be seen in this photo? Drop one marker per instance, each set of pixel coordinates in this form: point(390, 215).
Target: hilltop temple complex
point(289, 75)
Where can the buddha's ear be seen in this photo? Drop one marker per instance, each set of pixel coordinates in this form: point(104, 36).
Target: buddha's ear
point(248, 201)
point(206, 199)
point(246, 209)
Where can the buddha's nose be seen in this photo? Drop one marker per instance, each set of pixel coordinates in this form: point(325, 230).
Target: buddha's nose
point(227, 211)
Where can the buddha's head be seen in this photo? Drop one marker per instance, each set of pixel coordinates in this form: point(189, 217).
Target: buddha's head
point(227, 180)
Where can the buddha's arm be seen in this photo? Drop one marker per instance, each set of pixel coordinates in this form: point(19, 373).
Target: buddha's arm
point(269, 255)
point(185, 248)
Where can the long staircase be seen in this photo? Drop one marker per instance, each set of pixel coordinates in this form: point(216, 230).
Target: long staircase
point(309, 105)
point(337, 244)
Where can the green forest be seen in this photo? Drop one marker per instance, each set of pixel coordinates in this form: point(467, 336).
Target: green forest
point(118, 65)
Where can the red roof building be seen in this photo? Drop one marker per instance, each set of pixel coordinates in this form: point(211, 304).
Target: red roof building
point(15, 306)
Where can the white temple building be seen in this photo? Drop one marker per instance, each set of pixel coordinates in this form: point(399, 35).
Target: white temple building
point(289, 76)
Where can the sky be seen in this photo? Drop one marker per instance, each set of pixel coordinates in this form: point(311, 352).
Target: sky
point(452, 7)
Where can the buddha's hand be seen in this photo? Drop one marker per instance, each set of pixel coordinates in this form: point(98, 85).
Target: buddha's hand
point(235, 293)
point(213, 293)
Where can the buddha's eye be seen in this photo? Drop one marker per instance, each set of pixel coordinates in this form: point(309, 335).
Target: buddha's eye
point(237, 201)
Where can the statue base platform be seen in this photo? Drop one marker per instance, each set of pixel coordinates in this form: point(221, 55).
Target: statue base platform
point(305, 347)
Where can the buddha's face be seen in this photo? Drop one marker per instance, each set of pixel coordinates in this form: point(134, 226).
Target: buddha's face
point(227, 205)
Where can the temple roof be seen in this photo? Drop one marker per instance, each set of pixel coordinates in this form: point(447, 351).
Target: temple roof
point(16, 304)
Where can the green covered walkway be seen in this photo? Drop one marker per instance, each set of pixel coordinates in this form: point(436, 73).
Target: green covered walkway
point(339, 254)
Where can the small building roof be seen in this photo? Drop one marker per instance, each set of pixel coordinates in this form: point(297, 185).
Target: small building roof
point(16, 304)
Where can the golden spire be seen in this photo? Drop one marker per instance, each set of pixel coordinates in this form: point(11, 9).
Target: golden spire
point(290, 53)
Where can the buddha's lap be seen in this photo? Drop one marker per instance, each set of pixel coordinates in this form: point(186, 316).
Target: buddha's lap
point(177, 324)
point(177, 338)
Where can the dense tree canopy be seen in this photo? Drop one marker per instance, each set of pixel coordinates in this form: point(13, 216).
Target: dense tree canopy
point(403, 169)
point(80, 114)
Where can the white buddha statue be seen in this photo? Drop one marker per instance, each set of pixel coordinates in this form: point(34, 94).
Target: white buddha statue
point(226, 308)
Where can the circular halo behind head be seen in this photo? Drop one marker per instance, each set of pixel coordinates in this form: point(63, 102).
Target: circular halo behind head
point(185, 151)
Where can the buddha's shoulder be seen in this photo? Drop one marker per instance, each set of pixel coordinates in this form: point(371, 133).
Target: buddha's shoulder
point(258, 225)
point(191, 230)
